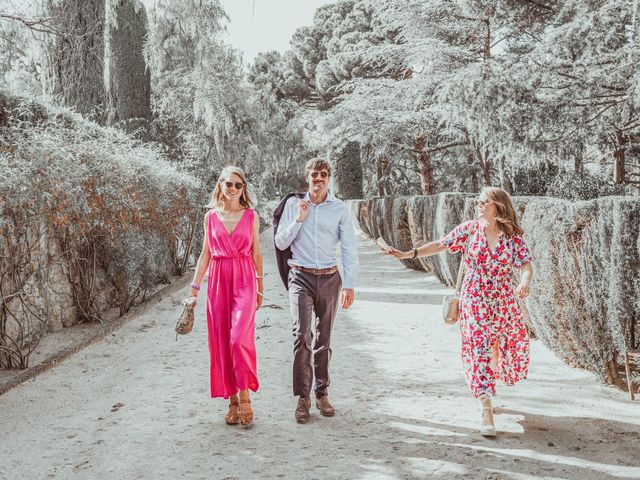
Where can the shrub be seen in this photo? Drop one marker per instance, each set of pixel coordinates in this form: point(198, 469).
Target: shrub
point(110, 209)
point(571, 186)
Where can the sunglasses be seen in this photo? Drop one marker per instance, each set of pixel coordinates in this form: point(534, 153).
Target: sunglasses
point(482, 202)
point(237, 185)
point(322, 174)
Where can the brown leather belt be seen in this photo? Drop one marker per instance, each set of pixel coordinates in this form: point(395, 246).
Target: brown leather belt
point(316, 271)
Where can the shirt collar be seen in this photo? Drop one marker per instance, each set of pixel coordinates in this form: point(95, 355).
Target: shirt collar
point(330, 197)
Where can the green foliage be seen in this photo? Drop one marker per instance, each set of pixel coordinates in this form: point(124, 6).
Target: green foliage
point(571, 186)
point(490, 86)
point(77, 55)
point(22, 63)
point(548, 179)
point(347, 172)
point(534, 180)
point(196, 93)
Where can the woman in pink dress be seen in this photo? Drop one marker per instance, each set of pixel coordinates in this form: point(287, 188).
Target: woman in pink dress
point(495, 343)
point(231, 253)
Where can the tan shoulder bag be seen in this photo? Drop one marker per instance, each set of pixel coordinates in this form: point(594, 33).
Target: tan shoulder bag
point(451, 303)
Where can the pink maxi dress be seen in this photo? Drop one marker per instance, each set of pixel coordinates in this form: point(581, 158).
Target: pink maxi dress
point(231, 306)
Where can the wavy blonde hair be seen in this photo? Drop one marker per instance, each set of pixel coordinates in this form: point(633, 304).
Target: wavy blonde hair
point(217, 198)
point(505, 213)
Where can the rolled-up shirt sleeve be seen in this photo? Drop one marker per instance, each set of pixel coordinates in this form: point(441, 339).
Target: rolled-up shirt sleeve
point(348, 249)
point(288, 228)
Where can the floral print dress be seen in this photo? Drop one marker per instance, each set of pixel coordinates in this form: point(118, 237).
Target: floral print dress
point(489, 311)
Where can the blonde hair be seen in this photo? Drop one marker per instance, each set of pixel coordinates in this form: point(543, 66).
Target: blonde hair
point(505, 213)
point(217, 198)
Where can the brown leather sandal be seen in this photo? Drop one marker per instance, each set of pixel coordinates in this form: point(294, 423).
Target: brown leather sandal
point(232, 417)
point(246, 416)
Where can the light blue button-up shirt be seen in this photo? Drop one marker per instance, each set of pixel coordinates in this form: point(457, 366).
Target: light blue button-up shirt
point(314, 242)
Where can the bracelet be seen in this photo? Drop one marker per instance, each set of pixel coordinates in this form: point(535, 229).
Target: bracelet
point(415, 253)
point(259, 276)
point(261, 294)
point(195, 286)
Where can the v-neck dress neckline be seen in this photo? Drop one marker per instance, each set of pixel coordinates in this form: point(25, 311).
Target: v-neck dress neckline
point(237, 224)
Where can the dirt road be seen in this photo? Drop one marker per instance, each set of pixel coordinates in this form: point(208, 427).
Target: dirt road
point(136, 405)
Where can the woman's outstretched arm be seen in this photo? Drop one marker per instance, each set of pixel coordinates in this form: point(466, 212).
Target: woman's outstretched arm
point(425, 250)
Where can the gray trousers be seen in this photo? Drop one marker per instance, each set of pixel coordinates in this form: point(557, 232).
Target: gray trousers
point(312, 298)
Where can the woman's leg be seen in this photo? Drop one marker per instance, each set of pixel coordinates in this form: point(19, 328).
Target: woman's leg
point(476, 330)
point(242, 337)
point(246, 412)
point(495, 355)
point(477, 357)
point(487, 427)
point(233, 414)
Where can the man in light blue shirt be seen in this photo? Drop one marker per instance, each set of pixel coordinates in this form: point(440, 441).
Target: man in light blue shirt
point(313, 227)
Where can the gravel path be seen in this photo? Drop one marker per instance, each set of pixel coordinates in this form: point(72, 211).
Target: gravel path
point(136, 405)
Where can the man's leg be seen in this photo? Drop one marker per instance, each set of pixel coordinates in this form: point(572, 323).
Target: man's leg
point(301, 303)
point(326, 308)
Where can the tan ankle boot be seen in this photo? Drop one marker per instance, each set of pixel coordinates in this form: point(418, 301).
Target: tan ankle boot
point(302, 409)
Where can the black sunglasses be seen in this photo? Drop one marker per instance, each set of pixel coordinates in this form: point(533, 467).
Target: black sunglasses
point(323, 174)
point(237, 185)
point(482, 202)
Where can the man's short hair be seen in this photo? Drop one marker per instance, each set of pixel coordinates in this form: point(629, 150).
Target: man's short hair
point(317, 164)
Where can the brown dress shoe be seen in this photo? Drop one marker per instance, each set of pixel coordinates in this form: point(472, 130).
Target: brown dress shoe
point(302, 409)
point(325, 407)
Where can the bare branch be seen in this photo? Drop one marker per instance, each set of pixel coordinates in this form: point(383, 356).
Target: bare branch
point(35, 24)
point(444, 147)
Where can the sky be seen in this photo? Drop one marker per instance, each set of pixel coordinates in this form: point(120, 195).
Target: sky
point(262, 25)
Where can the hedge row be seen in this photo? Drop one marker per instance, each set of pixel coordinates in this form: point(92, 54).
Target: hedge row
point(90, 218)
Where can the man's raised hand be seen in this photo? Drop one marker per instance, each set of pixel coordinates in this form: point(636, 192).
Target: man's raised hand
point(303, 210)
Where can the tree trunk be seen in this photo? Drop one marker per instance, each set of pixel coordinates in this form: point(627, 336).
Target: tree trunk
point(505, 181)
point(380, 180)
point(485, 166)
point(487, 40)
point(619, 160)
point(471, 165)
point(425, 167)
point(578, 164)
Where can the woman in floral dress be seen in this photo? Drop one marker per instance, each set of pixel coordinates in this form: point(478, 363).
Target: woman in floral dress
point(495, 343)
